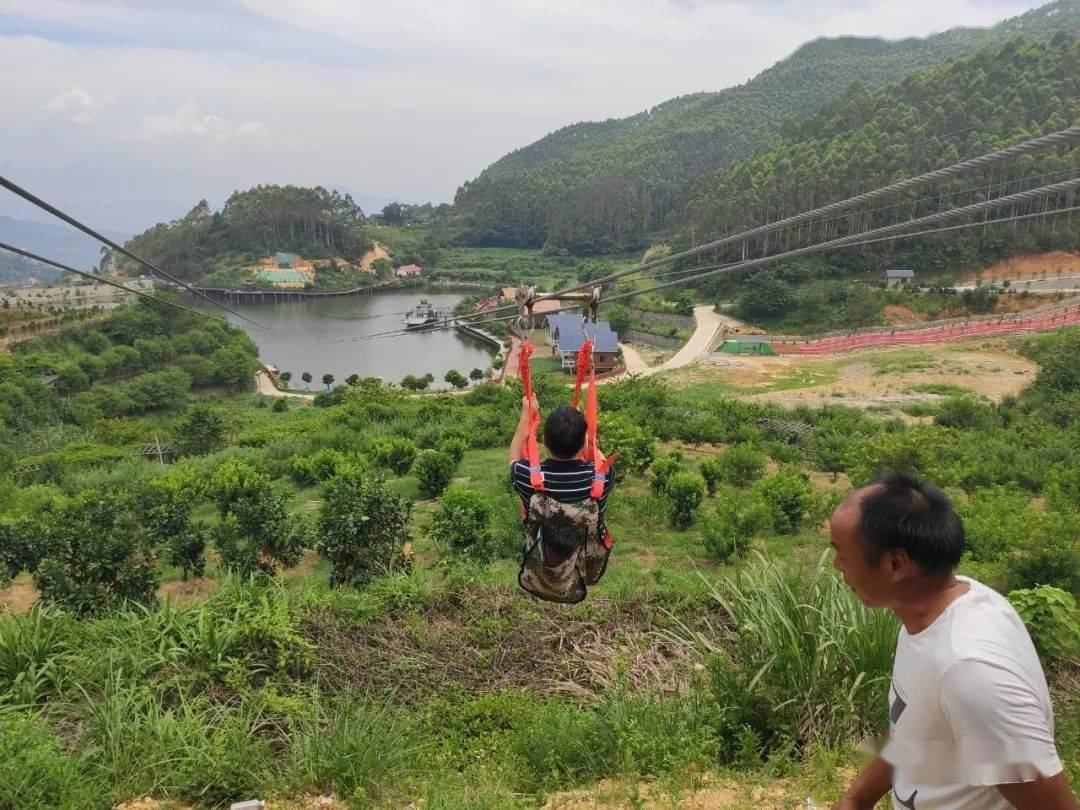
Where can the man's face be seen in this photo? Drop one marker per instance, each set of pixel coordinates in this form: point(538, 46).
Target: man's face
point(872, 583)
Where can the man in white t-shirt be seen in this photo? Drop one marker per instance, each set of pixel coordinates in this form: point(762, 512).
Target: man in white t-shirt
point(970, 719)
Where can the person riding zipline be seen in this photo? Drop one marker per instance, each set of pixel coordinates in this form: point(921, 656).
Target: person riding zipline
point(567, 543)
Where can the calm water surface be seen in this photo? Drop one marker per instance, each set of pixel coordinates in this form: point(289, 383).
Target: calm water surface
point(301, 333)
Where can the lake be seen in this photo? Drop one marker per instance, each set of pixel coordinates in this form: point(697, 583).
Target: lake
point(300, 338)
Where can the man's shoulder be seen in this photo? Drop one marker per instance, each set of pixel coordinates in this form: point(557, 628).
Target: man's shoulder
point(985, 626)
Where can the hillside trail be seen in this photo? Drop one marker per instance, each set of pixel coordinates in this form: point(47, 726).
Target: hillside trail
point(265, 386)
point(708, 325)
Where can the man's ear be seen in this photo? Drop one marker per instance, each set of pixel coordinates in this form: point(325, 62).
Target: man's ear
point(899, 562)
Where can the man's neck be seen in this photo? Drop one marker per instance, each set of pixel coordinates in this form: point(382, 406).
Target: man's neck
point(925, 599)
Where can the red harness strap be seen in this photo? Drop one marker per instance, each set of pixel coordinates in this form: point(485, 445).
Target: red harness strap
point(532, 451)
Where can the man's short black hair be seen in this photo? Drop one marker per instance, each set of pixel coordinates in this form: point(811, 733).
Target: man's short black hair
point(901, 511)
point(564, 432)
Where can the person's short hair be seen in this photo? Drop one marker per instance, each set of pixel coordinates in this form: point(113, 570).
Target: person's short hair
point(564, 432)
point(901, 511)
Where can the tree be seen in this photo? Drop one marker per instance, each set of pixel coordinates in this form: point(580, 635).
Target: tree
point(456, 378)
point(685, 491)
point(395, 453)
point(352, 380)
point(256, 532)
point(327, 380)
point(285, 377)
point(200, 430)
point(462, 521)
point(737, 466)
point(411, 382)
point(663, 469)
point(21, 547)
point(619, 319)
point(789, 497)
point(765, 295)
point(96, 555)
point(635, 445)
point(362, 527)
point(306, 377)
point(234, 365)
point(684, 303)
point(165, 506)
point(434, 470)
point(476, 374)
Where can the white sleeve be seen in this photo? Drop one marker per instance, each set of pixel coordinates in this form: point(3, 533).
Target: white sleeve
point(1001, 727)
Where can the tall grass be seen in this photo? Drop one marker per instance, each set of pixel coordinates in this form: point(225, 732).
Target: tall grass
point(30, 650)
point(807, 660)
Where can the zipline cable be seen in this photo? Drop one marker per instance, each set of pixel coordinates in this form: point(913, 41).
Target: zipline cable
point(27, 254)
point(1064, 137)
point(886, 233)
point(56, 212)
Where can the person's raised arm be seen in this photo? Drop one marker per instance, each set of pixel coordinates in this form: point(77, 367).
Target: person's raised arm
point(518, 442)
point(1044, 793)
point(873, 782)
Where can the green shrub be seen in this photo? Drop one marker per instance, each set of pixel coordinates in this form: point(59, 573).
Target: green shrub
point(35, 774)
point(453, 446)
point(738, 518)
point(434, 471)
point(362, 527)
point(685, 491)
point(281, 404)
point(1052, 619)
point(165, 506)
point(789, 497)
point(463, 521)
point(21, 547)
point(256, 532)
point(200, 430)
point(737, 466)
point(635, 445)
point(393, 452)
point(1056, 563)
point(318, 466)
point(662, 469)
point(965, 412)
point(95, 555)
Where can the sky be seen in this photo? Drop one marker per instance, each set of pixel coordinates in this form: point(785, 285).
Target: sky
point(128, 112)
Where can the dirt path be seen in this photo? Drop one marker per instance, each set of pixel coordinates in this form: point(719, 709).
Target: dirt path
point(635, 364)
point(377, 252)
point(265, 386)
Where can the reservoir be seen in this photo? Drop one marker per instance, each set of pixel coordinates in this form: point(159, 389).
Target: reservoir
point(308, 335)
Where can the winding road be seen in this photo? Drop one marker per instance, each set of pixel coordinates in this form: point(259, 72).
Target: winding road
point(709, 322)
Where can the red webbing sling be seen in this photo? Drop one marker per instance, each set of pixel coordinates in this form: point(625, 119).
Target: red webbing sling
point(532, 451)
point(601, 465)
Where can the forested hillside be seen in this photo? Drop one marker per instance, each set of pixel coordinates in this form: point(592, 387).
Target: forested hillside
point(311, 221)
point(599, 186)
point(932, 118)
point(16, 270)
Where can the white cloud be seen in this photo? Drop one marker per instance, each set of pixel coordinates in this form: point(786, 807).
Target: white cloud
point(405, 99)
point(189, 122)
point(80, 106)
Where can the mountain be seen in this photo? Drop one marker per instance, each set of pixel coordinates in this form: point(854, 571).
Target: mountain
point(60, 242)
point(868, 140)
point(613, 184)
point(17, 270)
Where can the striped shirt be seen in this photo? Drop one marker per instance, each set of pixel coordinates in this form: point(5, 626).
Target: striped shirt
point(565, 480)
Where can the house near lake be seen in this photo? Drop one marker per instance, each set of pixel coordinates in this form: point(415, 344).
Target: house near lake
point(566, 333)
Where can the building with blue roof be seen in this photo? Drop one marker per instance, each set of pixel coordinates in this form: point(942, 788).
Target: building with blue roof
point(566, 333)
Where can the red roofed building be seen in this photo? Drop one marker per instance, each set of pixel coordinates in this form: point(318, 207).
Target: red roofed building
point(408, 271)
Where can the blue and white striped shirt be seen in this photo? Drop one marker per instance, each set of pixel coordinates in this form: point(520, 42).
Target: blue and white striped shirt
point(565, 480)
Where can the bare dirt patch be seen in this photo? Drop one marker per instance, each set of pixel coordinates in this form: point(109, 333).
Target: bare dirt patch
point(19, 596)
point(898, 315)
point(1031, 264)
point(377, 252)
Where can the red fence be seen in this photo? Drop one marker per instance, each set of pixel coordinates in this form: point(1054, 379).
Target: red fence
point(1004, 325)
